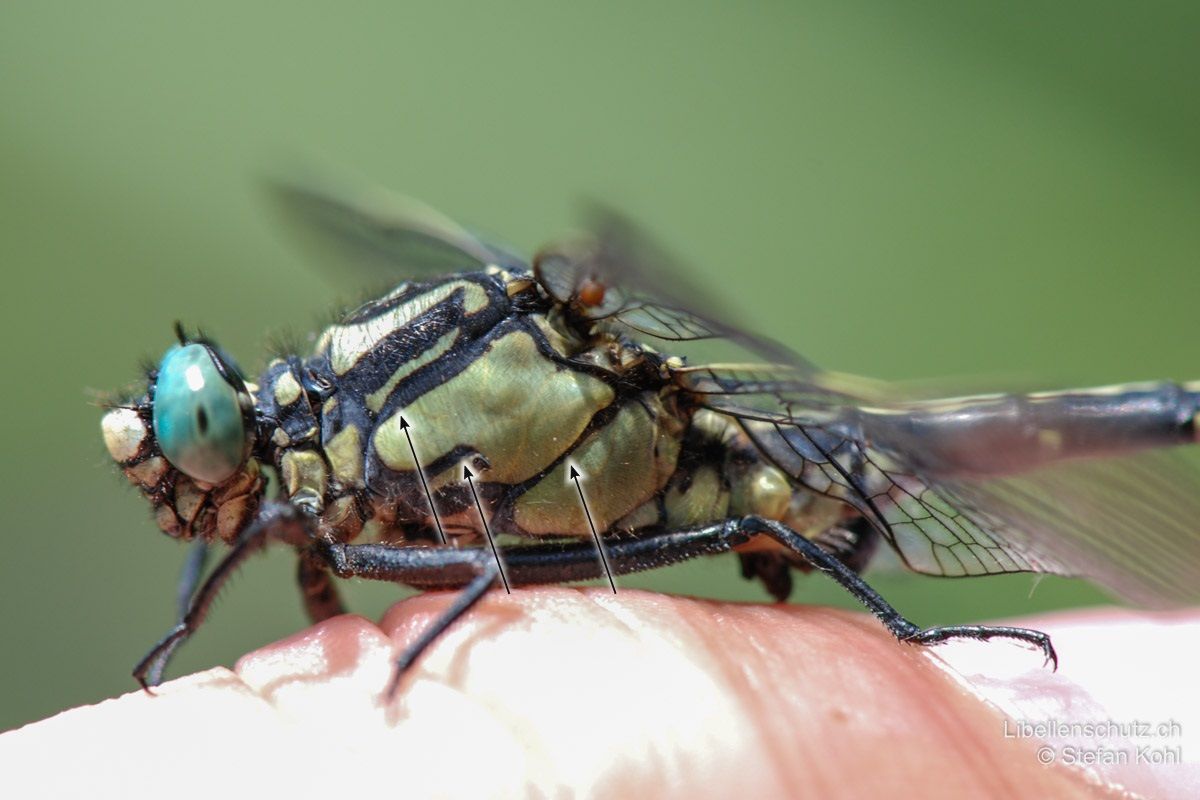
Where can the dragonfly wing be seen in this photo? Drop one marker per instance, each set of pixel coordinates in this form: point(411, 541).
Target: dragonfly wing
point(383, 231)
point(647, 290)
point(1130, 523)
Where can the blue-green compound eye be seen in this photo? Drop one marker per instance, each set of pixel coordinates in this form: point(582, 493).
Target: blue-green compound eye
point(197, 415)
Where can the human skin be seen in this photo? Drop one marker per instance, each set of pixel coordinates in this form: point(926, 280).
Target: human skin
point(560, 692)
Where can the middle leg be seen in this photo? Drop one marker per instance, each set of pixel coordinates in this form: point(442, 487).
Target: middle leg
point(474, 570)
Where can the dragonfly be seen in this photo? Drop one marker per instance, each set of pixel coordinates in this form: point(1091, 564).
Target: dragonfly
point(525, 374)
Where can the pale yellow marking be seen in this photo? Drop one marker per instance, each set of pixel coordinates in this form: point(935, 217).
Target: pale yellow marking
point(517, 285)
point(561, 339)
point(1050, 440)
point(325, 338)
point(511, 405)
point(643, 516)
point(810, 514)
point(624, 464)
point(712, 425)
point(303, 473)
point(345, 455)
point(124, 431)
point(329, 407)
point(287, 390)
point(346, 344)
point(376, 399)
point(399, 290)
point(704, 501)
point(281, 438)
point(764, 491)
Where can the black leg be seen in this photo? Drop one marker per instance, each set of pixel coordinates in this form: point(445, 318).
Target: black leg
point(468, 597)
point(320, 596)
point(272, 520)
point(559, 561)
point(189, 579)
point(562, 561)
point(474, 571)
point(471, 569)
point(189, 576)
point(900, 627)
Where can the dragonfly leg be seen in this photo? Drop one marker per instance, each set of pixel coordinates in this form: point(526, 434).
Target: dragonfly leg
point(189, 579)
point(189, 576)
point(409, 564)
point(559, 561)
point(320, 596)
point(474, 570)
point(852, 543)
point(468, 597)
point(272, 520)
point(900, 627)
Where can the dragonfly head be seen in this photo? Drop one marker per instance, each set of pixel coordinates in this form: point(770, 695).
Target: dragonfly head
point(187, 443)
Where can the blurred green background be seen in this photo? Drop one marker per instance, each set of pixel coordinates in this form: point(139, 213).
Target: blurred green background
point(902, 190)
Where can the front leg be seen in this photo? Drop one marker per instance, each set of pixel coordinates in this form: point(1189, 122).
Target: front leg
point(189, 579)
point(273, 520)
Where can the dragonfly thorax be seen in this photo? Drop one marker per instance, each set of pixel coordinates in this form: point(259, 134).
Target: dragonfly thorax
point(477, 369)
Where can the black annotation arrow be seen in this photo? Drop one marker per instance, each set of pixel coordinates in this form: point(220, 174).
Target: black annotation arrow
point(467, 474)
point(404, 426)
point(592, 525)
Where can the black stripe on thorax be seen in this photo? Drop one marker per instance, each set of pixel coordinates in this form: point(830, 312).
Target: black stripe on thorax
point(375, 368)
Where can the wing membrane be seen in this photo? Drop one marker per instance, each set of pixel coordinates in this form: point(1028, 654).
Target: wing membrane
point(647, 291)
point(383, 232)
point(1130, 523)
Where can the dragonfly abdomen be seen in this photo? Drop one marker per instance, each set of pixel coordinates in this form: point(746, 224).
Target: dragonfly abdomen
point(1012, 433)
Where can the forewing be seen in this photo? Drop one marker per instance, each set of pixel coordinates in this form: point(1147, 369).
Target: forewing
point(782, 388)
point(1132, 523)
point(388, 234)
